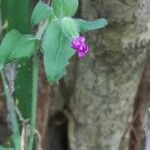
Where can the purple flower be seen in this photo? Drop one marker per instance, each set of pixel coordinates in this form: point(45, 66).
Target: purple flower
point(80, 46)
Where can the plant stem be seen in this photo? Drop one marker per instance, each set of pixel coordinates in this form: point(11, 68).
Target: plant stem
point(41, 30)
point(34, 100)
point(12, 113)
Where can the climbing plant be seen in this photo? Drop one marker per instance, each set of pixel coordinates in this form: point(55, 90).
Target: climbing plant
point(57, 39)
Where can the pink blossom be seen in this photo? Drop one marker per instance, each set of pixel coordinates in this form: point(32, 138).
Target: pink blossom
point(80, 46)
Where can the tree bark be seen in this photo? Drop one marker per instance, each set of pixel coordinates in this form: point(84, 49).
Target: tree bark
point(108, 78)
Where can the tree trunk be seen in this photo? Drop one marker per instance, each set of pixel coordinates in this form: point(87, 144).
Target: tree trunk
point(108, 78)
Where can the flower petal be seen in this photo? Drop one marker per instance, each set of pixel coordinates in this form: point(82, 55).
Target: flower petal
point(80, 46)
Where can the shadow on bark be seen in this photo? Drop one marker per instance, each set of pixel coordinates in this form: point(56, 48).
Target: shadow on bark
point(140, 107)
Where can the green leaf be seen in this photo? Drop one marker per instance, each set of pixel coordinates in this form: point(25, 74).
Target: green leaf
point(23, 86)
point(57, 52)
point(15, 46)
point(16, 13)
point(41, 12)
point(64, 8)
point(85, 26)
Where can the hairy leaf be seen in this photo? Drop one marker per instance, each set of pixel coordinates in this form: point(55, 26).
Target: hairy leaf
point(15, 46)
point(57, 52)
point(64, 8)
point(85, 26)
point(41, 12)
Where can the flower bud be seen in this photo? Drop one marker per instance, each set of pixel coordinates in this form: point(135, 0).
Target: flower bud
point(69, 27)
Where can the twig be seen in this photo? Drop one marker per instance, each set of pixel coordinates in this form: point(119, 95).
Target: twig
point(129, 127)
point(39, 140)
point(19, 114)
point(24, 136)
point(12, 113)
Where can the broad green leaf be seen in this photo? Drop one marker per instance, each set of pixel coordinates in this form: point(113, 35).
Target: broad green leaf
point(85, 26)
point(57, 52)
point(15, 46)
point(64, 8)
point(23, 85)
point(41, 12)
point(16, 14)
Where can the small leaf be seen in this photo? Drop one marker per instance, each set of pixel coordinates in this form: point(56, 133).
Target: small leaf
point(15, 46)
point(64, 8)
point(57, 52)
point(41, 12)
point(85, 26)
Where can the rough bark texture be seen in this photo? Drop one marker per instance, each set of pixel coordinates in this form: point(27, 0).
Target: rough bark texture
point(108, 79)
